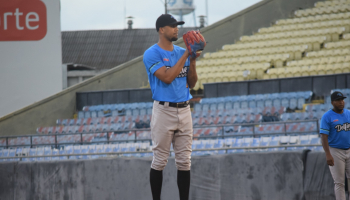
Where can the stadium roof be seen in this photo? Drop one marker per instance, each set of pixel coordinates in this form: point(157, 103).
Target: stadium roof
point(105, 49)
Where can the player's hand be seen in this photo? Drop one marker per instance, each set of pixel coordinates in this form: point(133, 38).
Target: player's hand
point(198, 53)
point(330, 160)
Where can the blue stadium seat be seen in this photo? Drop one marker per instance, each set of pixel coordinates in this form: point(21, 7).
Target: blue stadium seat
point(252, 104)
point(293, 103)
point(236, 105)
point(221, 106)
point(246, 142)
point(40, 152)
point(93, 114)
point(285, 103)
point(244, 105)
point(276, 103)
point(239, 119)
point(115, 113)
point(197, 107)
point(81, 114)
point(219, 145)
point(3, 153)
point(255, 142)
point(32, 152)
point(100, 114)
point(315, 141)
point(260, 103)
point(228, 106)
point(213, 108)
point(135, 112)
point(12, 153)
point(128, 112)
point(301, 102)
point(268, 103)
point(61, 152)
point(237, 143)
point(47, 152)
point(55, 152)
point(87, 114)
point(286, 116)
point(264, 141)
point(205, 107)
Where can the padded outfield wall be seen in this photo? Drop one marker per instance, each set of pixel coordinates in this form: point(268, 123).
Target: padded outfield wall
point(132, 74)
point(240, 176)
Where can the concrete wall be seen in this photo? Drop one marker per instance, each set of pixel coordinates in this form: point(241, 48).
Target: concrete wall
point(244, 176)
point(272, 176)
point(133, 75)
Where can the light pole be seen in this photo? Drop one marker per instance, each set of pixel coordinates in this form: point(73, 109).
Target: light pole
point(206, 11)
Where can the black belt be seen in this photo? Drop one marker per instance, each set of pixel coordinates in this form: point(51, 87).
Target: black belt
point(346, 149)
point(176, 105)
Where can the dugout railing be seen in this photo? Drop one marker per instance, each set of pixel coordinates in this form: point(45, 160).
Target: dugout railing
point(107, 140)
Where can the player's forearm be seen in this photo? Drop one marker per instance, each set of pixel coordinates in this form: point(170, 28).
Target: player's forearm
point(324, 139)
point(192, 74)
point(173, 72)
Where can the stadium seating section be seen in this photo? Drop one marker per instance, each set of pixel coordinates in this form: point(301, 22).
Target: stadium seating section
point(262, 122)
point(315, 41)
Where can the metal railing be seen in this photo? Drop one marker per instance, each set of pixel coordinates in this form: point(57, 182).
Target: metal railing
point(171, 151)
point(106, 139)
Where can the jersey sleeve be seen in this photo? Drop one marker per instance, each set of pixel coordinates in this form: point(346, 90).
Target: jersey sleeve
point(324, 128)
point(152, 61)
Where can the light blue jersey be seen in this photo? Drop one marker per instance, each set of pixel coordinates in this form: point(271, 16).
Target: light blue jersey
point(155, 58)
point(337, 127)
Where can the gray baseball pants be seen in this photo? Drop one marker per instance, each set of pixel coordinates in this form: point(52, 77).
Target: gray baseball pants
point(170, 125)
point(341, 166)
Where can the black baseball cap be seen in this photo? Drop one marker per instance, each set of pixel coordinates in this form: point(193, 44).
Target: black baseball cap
point(166, 20)
point(337, 95)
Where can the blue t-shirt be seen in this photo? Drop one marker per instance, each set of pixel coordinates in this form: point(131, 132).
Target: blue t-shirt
point(337, 127)
point(155, 58)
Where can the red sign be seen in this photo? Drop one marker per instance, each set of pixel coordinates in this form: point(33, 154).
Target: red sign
point(22, 20)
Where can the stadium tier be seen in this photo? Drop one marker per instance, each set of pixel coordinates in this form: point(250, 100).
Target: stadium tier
point(314, 42)
point(210, 111)
point(262, 122)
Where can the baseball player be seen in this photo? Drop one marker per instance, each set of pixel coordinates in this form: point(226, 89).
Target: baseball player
point(171, 72)
point(335, 130)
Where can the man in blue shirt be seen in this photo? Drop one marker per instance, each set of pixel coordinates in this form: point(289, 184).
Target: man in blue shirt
point(335, 131)
point(171, 73)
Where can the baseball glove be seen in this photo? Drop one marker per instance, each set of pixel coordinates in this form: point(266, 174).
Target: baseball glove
point(195, 42)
